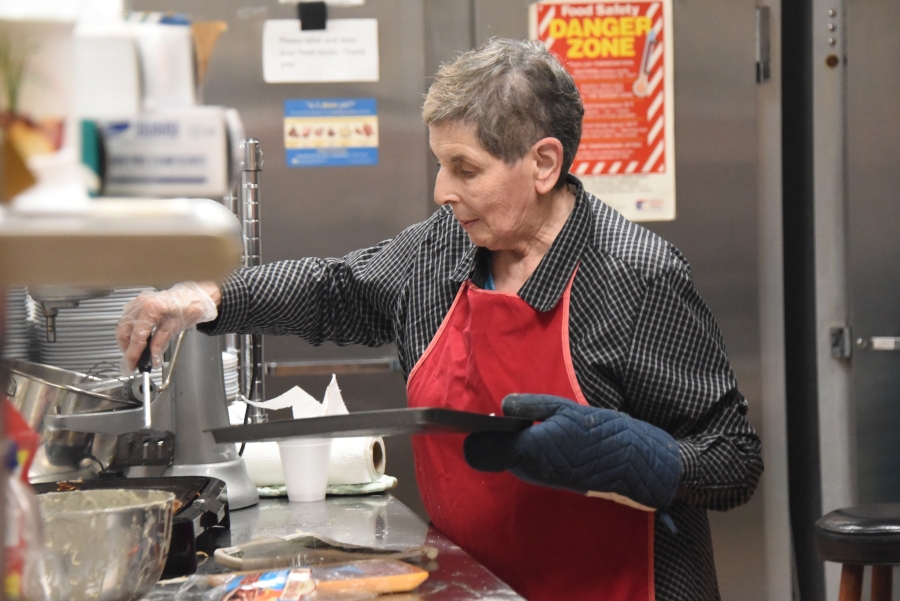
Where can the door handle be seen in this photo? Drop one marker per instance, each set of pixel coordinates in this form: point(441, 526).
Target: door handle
point(879, 343)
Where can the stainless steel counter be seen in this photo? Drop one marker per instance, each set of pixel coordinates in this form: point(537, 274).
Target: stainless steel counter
point(374, 520)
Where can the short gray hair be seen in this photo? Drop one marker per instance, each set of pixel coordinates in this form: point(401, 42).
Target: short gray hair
point(515, 93)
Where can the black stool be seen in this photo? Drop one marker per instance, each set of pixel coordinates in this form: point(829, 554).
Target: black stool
point(867, 535)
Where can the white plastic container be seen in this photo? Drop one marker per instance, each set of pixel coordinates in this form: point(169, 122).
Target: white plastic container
point(167, 65)
point(305, 463)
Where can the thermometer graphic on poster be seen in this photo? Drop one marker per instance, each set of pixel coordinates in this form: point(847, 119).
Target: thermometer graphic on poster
point(620, 55)
point(641, 86)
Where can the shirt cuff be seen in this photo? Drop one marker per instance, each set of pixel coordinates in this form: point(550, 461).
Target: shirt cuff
point(690, 468)
point(232, 309)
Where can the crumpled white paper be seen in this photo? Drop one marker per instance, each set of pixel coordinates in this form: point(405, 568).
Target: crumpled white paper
point(304, 405)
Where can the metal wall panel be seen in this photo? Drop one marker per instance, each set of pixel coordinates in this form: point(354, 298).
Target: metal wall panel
point(329, 211)
point(449, 27)
point(717, 228)
point(836, 436)
point(774, 492)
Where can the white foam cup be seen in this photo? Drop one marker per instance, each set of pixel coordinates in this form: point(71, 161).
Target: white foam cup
point(305, 464)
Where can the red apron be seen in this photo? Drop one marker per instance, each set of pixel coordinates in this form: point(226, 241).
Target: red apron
point(547, 544)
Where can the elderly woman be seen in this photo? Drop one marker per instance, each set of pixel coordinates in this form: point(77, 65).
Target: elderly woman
point(525, 294)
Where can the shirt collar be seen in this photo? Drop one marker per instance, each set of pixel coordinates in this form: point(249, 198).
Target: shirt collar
point(466, 264)
point(546, 285)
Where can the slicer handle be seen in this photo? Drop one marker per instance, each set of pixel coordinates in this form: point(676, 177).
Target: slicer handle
point(145, 362)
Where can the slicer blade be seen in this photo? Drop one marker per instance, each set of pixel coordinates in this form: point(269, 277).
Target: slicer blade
point(146, 446)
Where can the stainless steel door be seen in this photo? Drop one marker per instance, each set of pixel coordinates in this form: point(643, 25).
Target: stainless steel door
point(873, 200)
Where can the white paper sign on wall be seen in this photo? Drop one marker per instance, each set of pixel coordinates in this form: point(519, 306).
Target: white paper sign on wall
point(346, 50)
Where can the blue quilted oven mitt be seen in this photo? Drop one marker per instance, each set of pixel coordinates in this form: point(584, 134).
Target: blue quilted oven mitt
point(584, 449)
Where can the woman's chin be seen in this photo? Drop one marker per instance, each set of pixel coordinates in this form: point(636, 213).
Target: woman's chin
point(482, 241)
point(483, 237)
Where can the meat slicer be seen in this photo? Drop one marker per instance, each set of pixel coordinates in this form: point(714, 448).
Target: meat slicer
point(193, 403)
point(192, 400)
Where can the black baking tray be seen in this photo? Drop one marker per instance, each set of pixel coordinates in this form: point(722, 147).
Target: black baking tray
point(386, 422)
point(185, 488)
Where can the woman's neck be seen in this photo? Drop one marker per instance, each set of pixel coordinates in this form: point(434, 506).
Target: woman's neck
point(511, 268)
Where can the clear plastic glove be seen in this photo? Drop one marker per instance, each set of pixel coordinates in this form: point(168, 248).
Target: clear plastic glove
point(165, 313)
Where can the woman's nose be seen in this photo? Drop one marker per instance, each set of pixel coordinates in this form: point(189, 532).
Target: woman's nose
point(442, 189)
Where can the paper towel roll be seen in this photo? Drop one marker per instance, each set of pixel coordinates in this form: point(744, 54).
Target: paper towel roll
point(356, 460)
point(262, 458)
point(263, 463)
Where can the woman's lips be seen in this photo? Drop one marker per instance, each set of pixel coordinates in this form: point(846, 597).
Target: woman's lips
point(468, 223)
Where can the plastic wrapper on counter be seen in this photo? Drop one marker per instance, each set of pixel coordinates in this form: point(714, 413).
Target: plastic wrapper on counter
point(24, 563)
point(305, 550)
point(347, 581)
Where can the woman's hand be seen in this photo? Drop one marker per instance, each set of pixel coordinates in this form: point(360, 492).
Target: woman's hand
point(165, 313)
point(585, 449)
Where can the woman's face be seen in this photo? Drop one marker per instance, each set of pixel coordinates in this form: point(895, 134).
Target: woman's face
point(494, 201)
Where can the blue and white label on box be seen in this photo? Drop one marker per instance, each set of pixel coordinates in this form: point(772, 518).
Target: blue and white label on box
point(331, 132)
point(168, 153)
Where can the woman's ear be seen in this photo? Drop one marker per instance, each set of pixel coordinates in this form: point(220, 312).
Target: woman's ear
point(548, 158)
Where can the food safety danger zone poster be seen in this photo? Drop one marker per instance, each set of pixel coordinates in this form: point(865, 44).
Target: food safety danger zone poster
point(331, 132)
point(620, 55)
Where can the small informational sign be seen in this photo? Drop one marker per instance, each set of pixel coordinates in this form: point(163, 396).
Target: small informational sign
point(620, 55)
point(176, 152)
point(346, 50)
point(330, 132)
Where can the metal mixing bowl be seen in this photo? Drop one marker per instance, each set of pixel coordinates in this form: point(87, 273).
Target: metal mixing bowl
point(105, 545)
point(36, 390)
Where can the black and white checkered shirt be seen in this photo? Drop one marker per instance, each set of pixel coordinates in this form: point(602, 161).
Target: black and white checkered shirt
point(643, 342)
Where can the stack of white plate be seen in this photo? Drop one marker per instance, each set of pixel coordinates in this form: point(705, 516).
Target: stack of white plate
point(230, 369)
point(86, 335)
point(17, 344)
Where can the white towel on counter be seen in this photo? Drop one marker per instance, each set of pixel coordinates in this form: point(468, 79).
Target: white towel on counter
point(358, 460)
